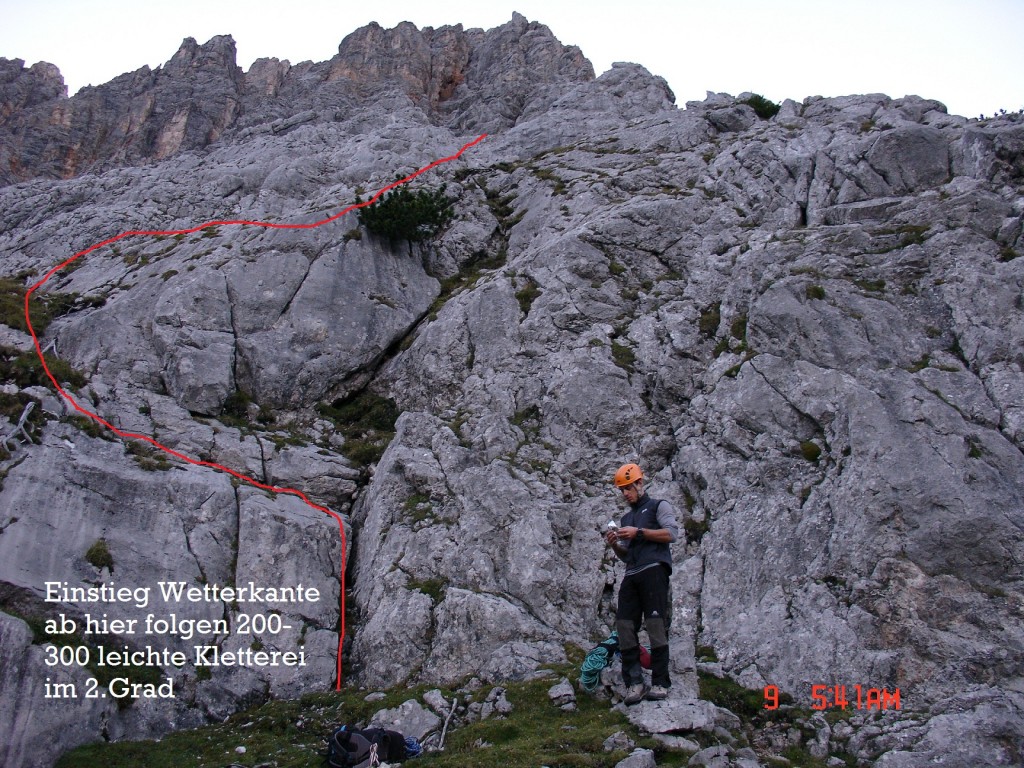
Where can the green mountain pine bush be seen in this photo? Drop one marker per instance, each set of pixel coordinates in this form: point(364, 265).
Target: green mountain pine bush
point(402, 214)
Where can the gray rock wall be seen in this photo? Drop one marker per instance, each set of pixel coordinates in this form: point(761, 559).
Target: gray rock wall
point(787, 351)
point(807, 330)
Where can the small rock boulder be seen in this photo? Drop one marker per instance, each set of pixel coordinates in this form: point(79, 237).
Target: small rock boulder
point(409, 719)
point(641, 758)
point(618, 741)
point(563, 695)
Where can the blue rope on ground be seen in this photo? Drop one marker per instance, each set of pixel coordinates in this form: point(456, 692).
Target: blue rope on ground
point(412, 747)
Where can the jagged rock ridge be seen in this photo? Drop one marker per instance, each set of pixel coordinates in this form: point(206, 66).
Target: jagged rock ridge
point(469, 79)
point(807, 328)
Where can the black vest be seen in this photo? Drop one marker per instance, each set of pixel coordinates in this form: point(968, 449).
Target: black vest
point(645, 515)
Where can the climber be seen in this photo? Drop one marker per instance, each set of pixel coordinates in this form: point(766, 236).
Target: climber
point(642, 541)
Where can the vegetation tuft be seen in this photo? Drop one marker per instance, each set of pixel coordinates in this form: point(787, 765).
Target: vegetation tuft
point(25, 370)
point(695, 529)
point(147, 457)
point(527, 295)
point(623, 356)
point(98, 555)
point(467, 276)
point(764, 108)
point(367, 422)
point(529, 420)
point(402, 214)
point(43, 308)
point(235, 412)
point(433, 588)
point(11, 408)
point(710, 317)
point(745, 703)
point(810, 450)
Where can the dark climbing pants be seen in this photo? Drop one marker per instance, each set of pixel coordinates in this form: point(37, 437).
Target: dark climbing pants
point(644, 596)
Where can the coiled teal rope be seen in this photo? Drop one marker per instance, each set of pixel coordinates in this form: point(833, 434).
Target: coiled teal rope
point(598, 658)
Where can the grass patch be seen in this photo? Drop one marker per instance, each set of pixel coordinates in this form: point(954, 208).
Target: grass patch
point(545, 174)
point(732, 696)
point(25, 370)
point(467, 276)
point(738, 328)
point(500, 205)
point(913, 234)
point(98, 555)
point(710, 317)
point(734, 371)
point(291, 734)
point(919, 365)
point(909, 234)
point(623, 356)
point(528, 420)
point(12, 406)
point(695, 530)
point(527, 295)
point(810, 450)
point(745, 703)
point(418, 508)
point(797, 754)
point(91, 427)
point(235, 411)
point(147, 457)
point(367, 422)
point(706, 653)
point(434, 588)
point(43, 308)
point(974, 447)
point(872, 286)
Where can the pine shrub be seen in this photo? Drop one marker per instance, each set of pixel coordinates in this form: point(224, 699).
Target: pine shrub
point(764, 108)
point(402, 214)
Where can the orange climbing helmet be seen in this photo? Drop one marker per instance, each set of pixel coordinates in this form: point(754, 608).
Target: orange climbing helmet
point(627, 475)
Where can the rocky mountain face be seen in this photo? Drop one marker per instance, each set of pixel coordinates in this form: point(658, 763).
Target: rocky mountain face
point(807, 327)
point(469, 80)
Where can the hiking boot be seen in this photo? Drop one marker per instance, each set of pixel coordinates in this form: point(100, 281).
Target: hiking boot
point(635, 694)
point(657, 693)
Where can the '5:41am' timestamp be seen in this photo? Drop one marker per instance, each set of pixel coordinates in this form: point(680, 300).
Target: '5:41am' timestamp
point(841, 697)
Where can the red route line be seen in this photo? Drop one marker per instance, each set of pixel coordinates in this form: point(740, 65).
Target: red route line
point(210, 464)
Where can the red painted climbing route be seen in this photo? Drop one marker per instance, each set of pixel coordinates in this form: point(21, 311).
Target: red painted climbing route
point(209, 464)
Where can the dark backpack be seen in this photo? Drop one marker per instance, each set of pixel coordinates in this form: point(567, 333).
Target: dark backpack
point(353, 748)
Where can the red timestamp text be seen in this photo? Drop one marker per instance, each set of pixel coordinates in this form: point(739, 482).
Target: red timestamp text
point(841, 697)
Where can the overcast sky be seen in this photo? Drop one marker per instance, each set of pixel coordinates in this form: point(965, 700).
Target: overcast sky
point(968, 54)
